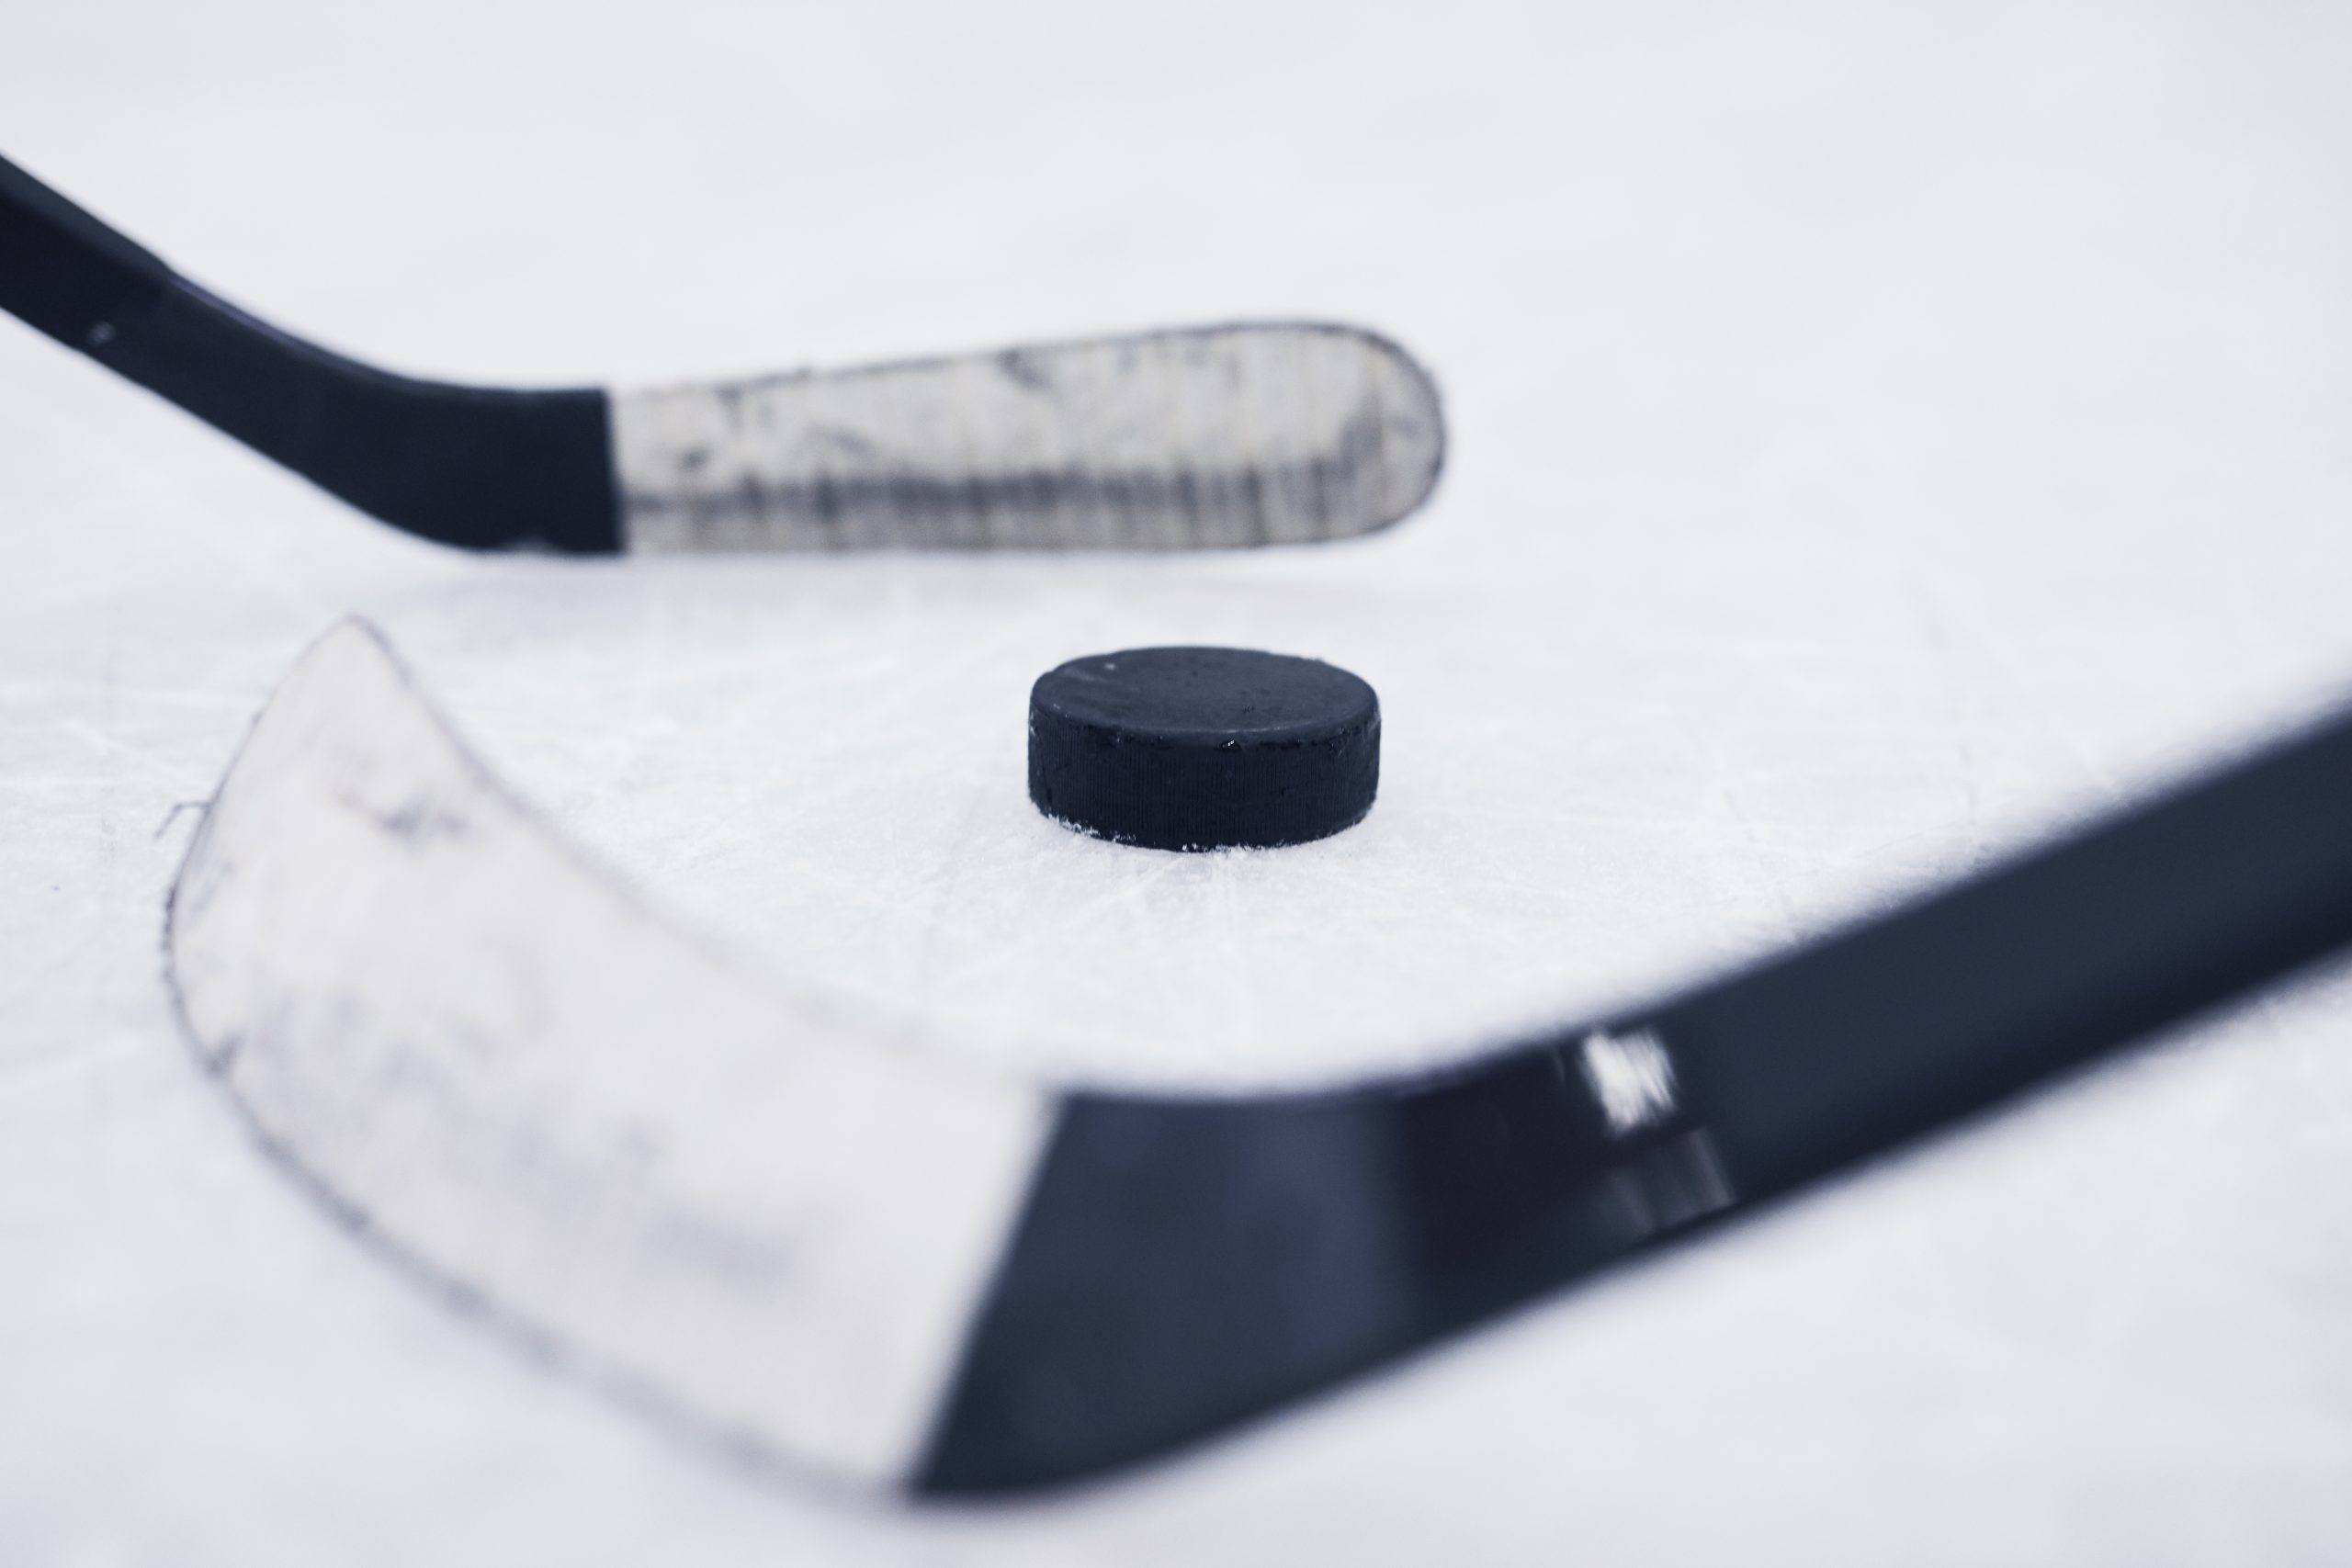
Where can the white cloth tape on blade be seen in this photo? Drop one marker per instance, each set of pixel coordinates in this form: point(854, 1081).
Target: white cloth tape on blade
point(1219, 437)
point(495, 1059)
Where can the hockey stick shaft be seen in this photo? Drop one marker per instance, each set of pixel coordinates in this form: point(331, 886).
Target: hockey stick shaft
point(474, 466)
point(1906, 1022)
point(64, 271)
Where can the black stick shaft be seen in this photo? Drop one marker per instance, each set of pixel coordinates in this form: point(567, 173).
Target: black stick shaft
point(475, 467)
point(1955, 1001)
point(65, 272)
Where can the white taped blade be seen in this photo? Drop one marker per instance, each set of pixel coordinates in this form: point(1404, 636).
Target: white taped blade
point(497, 1060)
point(1217, 436)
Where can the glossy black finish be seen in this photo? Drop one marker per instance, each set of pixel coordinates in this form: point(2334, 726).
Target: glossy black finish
point(1185, 1265)
point(1964, 998)
point(480, 467)
point(1203, 747)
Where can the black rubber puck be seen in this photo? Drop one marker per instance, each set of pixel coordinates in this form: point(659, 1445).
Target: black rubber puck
point(1203, 747)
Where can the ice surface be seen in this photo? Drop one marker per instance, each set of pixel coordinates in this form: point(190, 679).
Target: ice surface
point(1878, 440)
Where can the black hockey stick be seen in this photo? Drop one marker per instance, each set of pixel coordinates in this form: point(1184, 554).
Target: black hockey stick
point(1181, 1267)
point(856, 1259)
point(1246, 434)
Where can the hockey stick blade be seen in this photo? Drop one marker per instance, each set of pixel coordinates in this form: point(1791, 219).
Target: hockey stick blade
point(839, 1256)
point(1281, 433)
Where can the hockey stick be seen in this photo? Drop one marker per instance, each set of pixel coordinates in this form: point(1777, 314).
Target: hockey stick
point(1249, 434)
point(839, 1255)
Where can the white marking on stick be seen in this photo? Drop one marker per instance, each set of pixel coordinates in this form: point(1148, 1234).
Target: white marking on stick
point(1632, 1076)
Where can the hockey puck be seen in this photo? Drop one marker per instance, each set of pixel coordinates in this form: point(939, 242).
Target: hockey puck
point(1203, 747)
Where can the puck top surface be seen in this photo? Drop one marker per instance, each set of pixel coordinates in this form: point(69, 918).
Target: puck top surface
point(1203, 747)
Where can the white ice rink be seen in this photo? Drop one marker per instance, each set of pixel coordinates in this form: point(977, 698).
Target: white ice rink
point(1880, 438)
